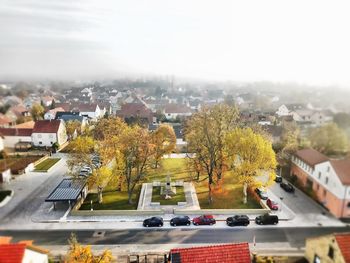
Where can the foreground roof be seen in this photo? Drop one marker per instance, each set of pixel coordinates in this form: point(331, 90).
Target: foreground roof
point(15, 132)
point(343, 240)
point(311, 156)
point(229, 253)
point(67, 190)
point(342, 169)
point(12, 253)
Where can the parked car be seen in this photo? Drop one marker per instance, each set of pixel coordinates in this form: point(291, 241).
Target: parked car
point(237, 220)
point(272, 204)
point(278, 179)
point(266, 219)
point(153, 221)
point(86, 169)
point(204, 220)
point(287, 187)
point(262, 193)
point(180, 221)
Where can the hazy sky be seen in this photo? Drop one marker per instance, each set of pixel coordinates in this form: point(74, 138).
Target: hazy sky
point(297, 40)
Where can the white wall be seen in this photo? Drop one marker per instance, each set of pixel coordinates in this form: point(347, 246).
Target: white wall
point(46, 139)
point(282, 111)
point(1, 143)
point(10, 141)
point(6, 176)
point(31, 256)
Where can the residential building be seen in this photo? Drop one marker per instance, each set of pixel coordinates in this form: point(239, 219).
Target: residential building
point(130, 111)
point(13, 136)
point(21, 252)
point(227, 253)
point(173, 111)
point(329, 179)
point(328, 248)
point(48, 132)
point(89, 110)
point(282, 111)
point(51, 114)
point(5, 121)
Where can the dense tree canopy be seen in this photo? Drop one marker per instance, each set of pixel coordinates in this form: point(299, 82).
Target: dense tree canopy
point(164, 141)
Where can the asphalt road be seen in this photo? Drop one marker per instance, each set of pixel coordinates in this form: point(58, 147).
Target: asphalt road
point(294, 236)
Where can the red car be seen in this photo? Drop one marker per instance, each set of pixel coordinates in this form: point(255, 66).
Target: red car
point(204, 220)
point(272, 204)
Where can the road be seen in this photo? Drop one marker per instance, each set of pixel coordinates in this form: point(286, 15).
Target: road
point(294, 236)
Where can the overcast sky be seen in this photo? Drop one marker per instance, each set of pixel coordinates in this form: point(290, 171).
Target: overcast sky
point(298, 40)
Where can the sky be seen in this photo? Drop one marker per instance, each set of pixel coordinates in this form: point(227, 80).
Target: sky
point(305, 41)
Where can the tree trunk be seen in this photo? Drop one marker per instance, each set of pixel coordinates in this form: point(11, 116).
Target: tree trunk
point(100, 197)
point(198, 174)
point(245, 187)
point(130, 197)
point(156, 164)
point(210, 198)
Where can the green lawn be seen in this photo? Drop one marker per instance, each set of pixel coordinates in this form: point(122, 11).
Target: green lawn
point(179, 197)
point(46, 164)
point(228, 196)
point(112, 200)
point(4, 193)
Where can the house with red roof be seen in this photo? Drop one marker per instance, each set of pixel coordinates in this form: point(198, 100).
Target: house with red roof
point(13, 136)
point(47, 132)
point(21, 252)
point(328, 178)
point(227, 253)
point(328, 248)
point(173, 111)
point(135, 111)
point(5, 121)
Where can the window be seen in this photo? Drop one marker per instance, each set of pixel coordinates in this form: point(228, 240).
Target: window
point(349, 205)
point(318, 187)
point(328, 169)
point(331, 252)
point(50, 136)
point(40, 142)
point(319, 175)
point(326, 180)
point(39, 136)
point(324, 192)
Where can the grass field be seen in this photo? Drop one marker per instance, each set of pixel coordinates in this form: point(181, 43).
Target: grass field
point(179, 197)
point(4, 193)
point(46, 164)
point(228, 196)
point(17, 163)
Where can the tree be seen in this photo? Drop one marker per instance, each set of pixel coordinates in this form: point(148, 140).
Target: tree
point(136, 154)
point(80, 254)
point(72, 126)
point(164, 141)
point(37, 112)
point(204, 133)
point(251, 155)
point(107, 128)
point(100, 178)
point(53, 104)
point(80, 154)
point(329, 139)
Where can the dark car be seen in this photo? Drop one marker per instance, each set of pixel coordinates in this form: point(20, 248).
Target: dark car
point(180, 221)
point(272, 204)
point(204, 220)
point(287, 187)
point(278, 179)
point(262, 193)
point(266, 219)
point(237, 220)
point(153, 221)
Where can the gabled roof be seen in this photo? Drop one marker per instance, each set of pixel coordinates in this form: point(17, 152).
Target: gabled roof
point(86, 107)
point(342, 169)
point(343, 240)
point(176, 108)
point(4, 119)
point(55, 110)
point(12, 253)
point(15, 132)
point(46, 126)
point(311, 156)
point(229, 253)
point(26, 125)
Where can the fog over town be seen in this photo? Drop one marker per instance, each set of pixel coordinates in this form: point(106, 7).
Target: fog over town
point(174, 131)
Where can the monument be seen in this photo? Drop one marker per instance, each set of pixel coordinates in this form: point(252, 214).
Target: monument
point(168, 190)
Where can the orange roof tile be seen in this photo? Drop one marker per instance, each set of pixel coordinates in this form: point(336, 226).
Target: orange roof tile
point(12, 253)
point(311, 156)
point(343, 240)
point(228, 253)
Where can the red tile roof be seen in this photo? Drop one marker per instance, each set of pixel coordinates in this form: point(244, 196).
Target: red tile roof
point(28, 124)
point(134, 109)
point(343, 240)
point(15, 132)
point(229, 253)
point(46, 126)
point(12, 253)
point(342, 169)
point(4, 120)
point(311, 156)
point(176, 108)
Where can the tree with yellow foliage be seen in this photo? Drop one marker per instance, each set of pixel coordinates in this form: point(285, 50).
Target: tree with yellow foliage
point(250, 155)
point(83, 254)
point(164, 141)
point(205, 132)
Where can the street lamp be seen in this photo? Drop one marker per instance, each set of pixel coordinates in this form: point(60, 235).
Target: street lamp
point(281, 202)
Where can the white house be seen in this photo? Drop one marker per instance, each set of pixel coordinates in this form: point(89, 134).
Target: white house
point(12, 136)
point(282, 111)
point(92, 111)
point(51, 114)
point(48, 132)
point(172, 111)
